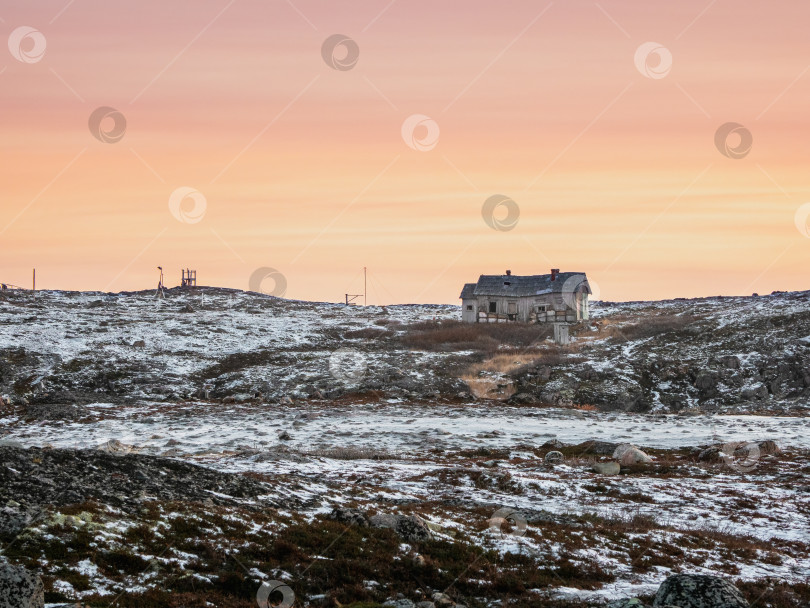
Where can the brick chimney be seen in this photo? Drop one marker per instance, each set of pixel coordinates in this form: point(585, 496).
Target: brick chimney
point(554, 273)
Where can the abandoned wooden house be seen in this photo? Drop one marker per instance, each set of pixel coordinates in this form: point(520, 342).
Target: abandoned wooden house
point(558, 297)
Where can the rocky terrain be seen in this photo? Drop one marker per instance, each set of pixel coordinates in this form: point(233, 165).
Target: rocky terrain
point(222, 448)
point(748, 354)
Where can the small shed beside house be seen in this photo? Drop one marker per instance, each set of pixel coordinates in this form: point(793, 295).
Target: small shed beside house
point(557, 297)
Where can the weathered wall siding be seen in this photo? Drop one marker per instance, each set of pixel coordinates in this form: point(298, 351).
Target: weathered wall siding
point(469, 316)
point(526, 308)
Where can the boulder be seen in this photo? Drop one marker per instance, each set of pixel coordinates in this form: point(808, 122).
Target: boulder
point(442, 599)
point(631, 603)
point(20, 588)
point(56, 411)
point(768, 447)
point(759, 393)
point(739, 449)
point(710, 454)
point(729, 361)
point(14, 518)
point(410, 528)
point(353, 517)
point(706, 380)
point(401, 603)
point(698, 591)
point(113, 446)
point(628, 454)
point(599, 448)
point(606, 468)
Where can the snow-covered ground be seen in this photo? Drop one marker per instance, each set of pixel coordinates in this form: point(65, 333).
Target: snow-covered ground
point(196, 428)
point(337, 455)
point(448, 458)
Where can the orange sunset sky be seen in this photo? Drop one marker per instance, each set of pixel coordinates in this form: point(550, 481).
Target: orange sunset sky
point(304, 168)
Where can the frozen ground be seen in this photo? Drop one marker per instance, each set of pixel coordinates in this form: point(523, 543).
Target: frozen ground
point(731, 355)
point(252, 388)
point(202, 428)
point(453, 463)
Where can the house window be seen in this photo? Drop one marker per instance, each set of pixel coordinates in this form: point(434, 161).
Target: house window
point(493, 307)
point(469, 306)
point(541, 308)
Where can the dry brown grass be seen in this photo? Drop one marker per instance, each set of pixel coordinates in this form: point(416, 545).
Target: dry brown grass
point(488, 387)
point(492, 377)
point(483, 337)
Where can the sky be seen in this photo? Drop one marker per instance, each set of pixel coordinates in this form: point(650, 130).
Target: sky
point(282, 146)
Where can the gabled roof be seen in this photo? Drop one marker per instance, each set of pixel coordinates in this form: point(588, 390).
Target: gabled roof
point(468, 291)
point(520, 286)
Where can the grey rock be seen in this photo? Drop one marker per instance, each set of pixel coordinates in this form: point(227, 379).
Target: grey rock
point(20, 588)
point(760, 393)
point(410, 528)
point(628, 454)
point(353, 517)
point(698, 591)
point(425, 604)
point(55, 411)
point(442, 599)
point(599, 448)
point(730, 361)
point(14, 519)
point(706, 382)
point(741, 449)
point(710, 454)
point(606, 468)
point(404, 603)
point(631, 603)
point(36, 477)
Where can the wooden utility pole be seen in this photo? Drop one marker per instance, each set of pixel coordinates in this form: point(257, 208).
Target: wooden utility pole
point(365, 293)
point(34, 288)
